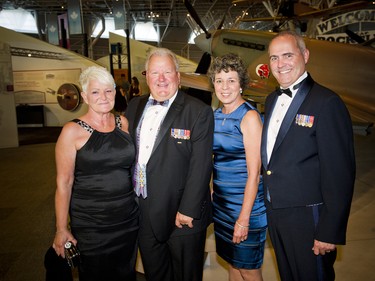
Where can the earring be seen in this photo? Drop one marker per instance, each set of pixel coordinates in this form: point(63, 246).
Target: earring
point(240, 90)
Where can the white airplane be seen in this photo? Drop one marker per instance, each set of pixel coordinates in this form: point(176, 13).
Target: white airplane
point(37, 73)
point(346, 69)
point(42, 73)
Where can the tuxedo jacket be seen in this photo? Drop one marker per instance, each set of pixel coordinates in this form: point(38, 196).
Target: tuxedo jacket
point(179, 168)
point(312, 161)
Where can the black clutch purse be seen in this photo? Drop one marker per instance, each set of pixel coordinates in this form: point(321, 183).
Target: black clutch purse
point(72, 254)
point(57, 269)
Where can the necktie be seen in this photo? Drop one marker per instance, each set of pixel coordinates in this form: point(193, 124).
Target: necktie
point(162, 103)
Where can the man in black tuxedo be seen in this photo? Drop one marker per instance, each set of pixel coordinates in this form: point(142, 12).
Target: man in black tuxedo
point(308, 166)
point(174, 133)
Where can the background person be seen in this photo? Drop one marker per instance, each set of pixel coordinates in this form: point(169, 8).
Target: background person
point(309, 166)
point(172, 172)
point(94, 155)
point(120, 101)
point(135, 88)
point(123, 83)
point(239, 213)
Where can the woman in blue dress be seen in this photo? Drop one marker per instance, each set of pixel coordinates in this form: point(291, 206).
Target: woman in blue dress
point(239, 212)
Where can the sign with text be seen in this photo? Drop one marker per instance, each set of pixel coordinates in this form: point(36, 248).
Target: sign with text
point(362, 20)
point(41, 86)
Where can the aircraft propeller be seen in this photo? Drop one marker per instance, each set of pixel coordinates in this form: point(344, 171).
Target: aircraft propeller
point(220, 26)
point(197, 19)
point(205, 61)
point(354, 36)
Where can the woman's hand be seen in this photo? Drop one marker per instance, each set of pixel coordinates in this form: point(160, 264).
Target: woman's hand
point(240, 232)
point(61, 237)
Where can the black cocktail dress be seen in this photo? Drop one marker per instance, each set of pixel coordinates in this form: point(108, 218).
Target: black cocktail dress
point(103, 210)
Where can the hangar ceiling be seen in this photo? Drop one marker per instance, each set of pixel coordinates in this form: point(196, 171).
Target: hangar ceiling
point(171, 17)
point(174, 13)
point(169, 13)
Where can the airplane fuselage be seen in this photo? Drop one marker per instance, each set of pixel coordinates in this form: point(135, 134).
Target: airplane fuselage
point(349, 70)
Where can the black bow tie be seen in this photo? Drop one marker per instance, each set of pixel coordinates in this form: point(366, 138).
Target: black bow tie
point(162, 103)
point(287, 91)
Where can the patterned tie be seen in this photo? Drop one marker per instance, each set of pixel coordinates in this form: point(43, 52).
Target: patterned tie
point(140, 174)
point(162, 103)
point(139, 180)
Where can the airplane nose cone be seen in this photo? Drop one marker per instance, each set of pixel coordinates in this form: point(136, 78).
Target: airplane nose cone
point(203, 43)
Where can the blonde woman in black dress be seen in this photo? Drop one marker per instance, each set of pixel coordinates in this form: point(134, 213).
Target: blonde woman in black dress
point(95, 201)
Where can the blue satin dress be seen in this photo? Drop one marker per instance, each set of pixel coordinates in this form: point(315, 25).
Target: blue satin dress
point(230, 176)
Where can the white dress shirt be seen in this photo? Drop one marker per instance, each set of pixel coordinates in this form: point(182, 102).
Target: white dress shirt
point(152, 119)
point(281, 107)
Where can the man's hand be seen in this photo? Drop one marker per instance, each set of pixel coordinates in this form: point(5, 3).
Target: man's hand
point(182, 220)
point(321, 248)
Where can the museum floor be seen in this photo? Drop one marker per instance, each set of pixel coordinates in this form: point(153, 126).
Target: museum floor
point(27, 185)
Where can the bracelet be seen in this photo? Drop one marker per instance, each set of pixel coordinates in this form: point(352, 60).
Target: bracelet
point(242, 226)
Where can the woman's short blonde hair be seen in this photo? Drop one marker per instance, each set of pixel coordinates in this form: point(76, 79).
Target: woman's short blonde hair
point(96, 73)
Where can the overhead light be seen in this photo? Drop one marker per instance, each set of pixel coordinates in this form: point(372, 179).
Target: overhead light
point(153, 15)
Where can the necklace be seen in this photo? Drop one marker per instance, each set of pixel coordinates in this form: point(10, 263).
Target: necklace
point(226, 117)
point(230, 114)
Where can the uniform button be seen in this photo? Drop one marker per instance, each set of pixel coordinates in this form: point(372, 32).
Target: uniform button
point(269, 173)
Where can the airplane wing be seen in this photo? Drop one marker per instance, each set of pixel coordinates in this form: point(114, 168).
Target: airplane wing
point(257, 92)
point(196, 81)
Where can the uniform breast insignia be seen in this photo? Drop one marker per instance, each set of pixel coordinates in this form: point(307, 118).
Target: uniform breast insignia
point(181, 134)
point(304, 120)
